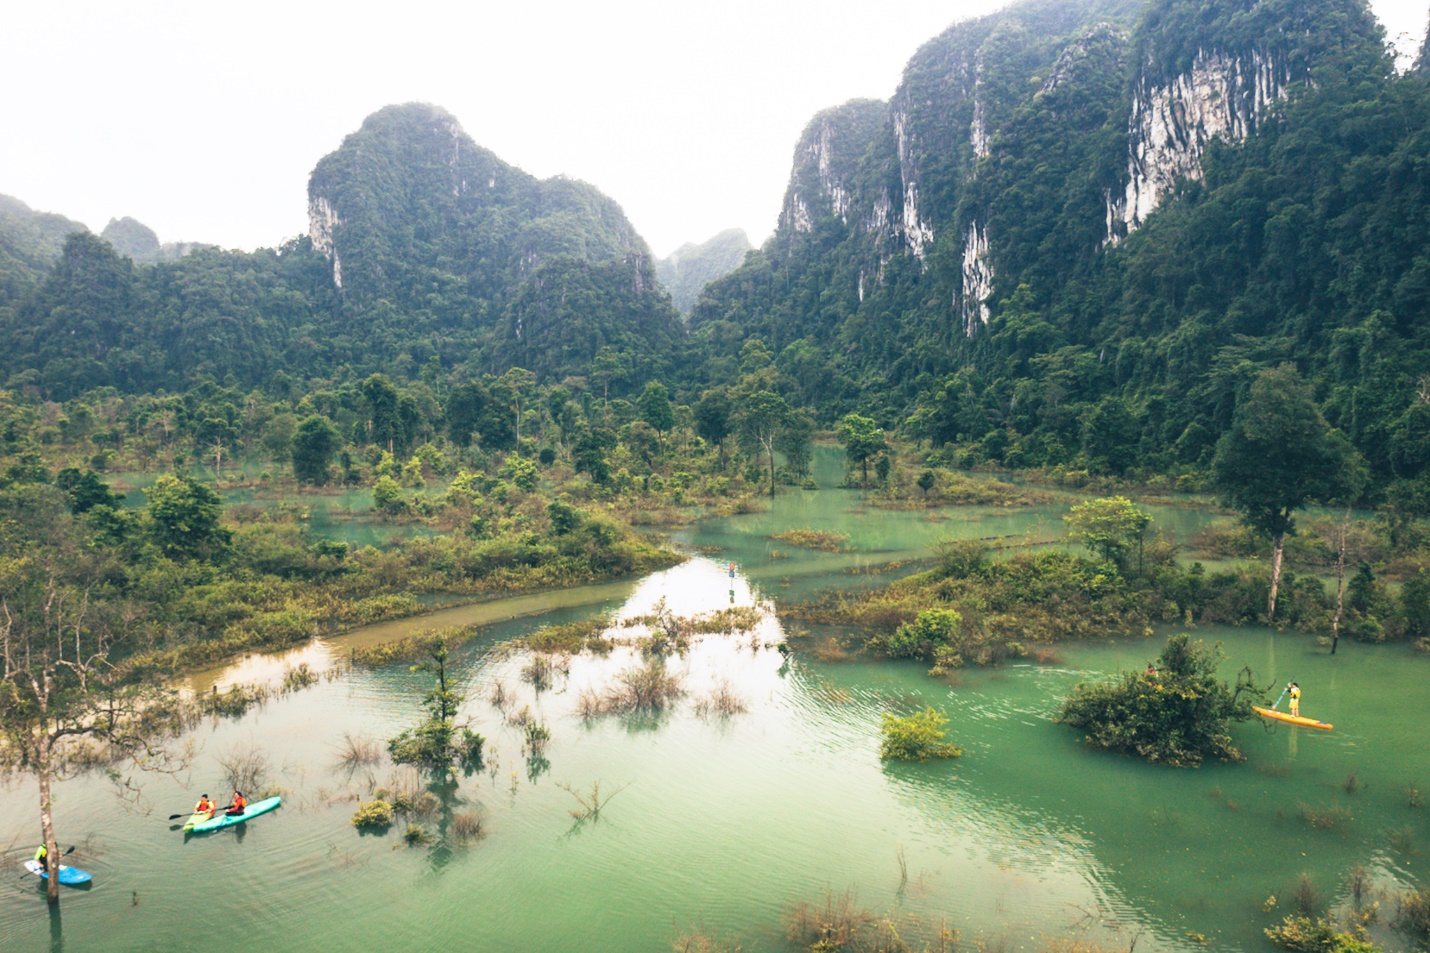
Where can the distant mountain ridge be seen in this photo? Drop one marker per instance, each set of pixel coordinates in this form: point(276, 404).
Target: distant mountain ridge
point(688, 269)
point(30, 242)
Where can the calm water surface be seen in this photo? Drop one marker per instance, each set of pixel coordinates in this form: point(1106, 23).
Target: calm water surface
point(727, 822)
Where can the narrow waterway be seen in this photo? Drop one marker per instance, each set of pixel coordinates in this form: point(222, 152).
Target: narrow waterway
point(725, 822)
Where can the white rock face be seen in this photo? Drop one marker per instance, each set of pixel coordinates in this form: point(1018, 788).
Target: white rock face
point(917, 233)
point(977, 131)
point(977, 279)
point(1220, 97)
point(816, 152)
point(796, 215)
point(322, 218)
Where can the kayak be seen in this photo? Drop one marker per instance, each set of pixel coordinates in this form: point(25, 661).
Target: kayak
point(226, 820)
point(1291, 719)
point(197, 819)
point(69, 876)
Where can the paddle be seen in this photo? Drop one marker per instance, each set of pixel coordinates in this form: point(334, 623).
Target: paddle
point(1281, 696)
point(175, 817)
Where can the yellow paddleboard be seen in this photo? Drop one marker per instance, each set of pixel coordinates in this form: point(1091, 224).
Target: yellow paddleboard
point(1291, 719)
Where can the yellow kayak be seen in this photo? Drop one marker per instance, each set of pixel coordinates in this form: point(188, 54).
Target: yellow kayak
point(1291, 719)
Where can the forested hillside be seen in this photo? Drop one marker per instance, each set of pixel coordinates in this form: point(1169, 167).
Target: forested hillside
point(435, 240)
point(1072, 238)
point(30, 242)
point(424, 248)
point(1078, 231)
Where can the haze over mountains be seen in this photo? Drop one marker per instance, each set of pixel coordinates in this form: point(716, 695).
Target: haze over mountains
point(1074, 221)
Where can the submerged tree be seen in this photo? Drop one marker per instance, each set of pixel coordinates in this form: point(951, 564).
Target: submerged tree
point(314, 442)
point(438, 745)
point(1110, 527)
point(1177, 712)
point(64, 706)
point(760, 417)
point(862, 438)
point(1279, 455)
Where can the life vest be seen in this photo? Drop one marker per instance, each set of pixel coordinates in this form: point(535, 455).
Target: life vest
point(205, 806)
point(239, 803)
point(1296, 694)
point(42, 853)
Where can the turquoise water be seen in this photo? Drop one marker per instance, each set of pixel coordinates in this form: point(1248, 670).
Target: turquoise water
point(726, 823)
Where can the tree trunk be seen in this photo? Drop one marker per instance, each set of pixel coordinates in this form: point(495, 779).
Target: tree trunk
point(770, 446)
point(865, 464)
point(47, 826)
point(1340, 584)
point(1277, 545)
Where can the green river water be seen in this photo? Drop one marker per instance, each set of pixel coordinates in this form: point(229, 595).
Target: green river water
point(724, 823)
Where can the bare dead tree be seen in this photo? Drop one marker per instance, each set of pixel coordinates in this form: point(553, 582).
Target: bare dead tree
point(65, 707)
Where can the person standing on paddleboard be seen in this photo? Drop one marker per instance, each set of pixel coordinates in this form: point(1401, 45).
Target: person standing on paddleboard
point(41, 855)
point(1294, 691)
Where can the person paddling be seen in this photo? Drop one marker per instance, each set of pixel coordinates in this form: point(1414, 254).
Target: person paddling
point(1294, 691)
point(205, 807)
point(240, 803)
point(41, 856)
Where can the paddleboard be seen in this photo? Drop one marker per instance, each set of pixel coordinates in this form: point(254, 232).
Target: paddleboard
point(69, 876)
point(224, 820)
point(1291, 719)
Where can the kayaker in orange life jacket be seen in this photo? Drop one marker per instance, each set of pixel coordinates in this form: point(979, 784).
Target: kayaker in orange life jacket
point(240, 803)
point(205, 806)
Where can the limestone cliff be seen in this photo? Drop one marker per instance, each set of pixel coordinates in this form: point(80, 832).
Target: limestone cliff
point(1221, 96)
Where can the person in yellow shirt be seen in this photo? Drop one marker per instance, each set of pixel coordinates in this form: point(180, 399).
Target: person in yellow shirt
point(1294, 691)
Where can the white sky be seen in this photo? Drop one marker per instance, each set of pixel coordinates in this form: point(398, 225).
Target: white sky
point(203, 120)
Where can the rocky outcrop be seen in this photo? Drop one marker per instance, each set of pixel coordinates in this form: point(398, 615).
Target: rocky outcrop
point(1220, 97)
point(977, 279)
point(322, 219)
point(826, 160)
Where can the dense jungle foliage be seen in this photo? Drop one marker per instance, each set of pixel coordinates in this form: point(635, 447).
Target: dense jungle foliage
point(453, 320)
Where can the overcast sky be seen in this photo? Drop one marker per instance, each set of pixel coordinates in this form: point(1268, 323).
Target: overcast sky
point(203, 120)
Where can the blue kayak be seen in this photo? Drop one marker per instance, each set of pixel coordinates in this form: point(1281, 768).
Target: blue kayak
point(228, 820)
point(69, 876)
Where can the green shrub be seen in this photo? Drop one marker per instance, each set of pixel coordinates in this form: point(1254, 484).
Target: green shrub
point(933, 630)
point(1178, 715)
point(1415, 914)
point(918, 737)
point(1306, 935)
point(374, 815)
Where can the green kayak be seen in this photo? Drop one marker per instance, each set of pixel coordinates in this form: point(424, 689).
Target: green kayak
point(197, 819)
point(228, 820)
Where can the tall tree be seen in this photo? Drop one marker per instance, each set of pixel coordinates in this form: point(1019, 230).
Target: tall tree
point(520, 384)
point(314, 443)
point(712, 420)
point(862, 438)
point(1279, 455)
point(1110, 527)
point(384, 412)
point(759, 419)
point(654, 407)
